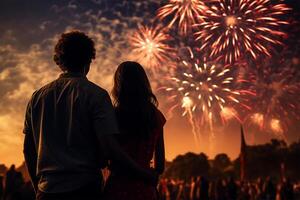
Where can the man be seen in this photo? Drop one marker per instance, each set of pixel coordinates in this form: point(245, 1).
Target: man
point(69, 128)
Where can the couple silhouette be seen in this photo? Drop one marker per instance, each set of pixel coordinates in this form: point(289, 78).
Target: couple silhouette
point(72, 131)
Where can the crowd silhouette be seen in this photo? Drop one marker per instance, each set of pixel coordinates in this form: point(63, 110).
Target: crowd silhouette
point(199, 188)
point(14, 187)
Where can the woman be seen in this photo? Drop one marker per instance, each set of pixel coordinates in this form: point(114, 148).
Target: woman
point(141, 126)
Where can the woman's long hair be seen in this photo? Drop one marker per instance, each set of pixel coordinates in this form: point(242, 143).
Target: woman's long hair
point(134, 100)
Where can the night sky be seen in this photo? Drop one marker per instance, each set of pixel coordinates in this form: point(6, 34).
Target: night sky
point(30, 29)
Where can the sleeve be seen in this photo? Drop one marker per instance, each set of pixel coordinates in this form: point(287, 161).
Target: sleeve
point(27, 123)
point(103, 115)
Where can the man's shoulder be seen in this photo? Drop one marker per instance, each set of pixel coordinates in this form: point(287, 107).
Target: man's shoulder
point(84, 83)
point(42, 89)
point(85, 86)
point(35, 96)
point(93, 88)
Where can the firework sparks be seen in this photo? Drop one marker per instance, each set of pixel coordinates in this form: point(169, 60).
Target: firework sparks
point(235, 28)
point(276, 126)
point(207, 93)
point(258, 119)
point(150, 46)
point(228, 113)
point(185, 12)
point(277, 99)
point(188, 105)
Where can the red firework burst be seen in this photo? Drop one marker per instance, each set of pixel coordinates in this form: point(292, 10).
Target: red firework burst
point(184, 12)
point(238, 28)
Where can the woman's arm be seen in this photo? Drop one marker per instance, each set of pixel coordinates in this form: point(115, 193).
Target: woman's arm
point(159, 156)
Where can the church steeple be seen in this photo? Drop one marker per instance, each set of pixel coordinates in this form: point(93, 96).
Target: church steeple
point(243, 142)
point(243, 156)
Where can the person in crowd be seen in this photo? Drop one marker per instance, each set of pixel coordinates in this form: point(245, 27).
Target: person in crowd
point(181, 195)
point(10, 183)
point(174, 188)
point(1, 187)
point(204, 187)
point(197, 189)
point(187, 190)
point(212, 190)
point(244, 191)
point(162, 189)
point(259, 189)
point(192, 189)
point(252, 191)
point(287, 190)
point(220, 190)
point(141, 125)
point(18, 186)
point(231, 189)
point(269, 189)
point(279, 192)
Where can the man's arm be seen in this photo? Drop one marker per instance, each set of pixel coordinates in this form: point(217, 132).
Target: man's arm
point(116, 153)
point(29, 149)
point(105, 126)
point(159, 156)
point(31, 159)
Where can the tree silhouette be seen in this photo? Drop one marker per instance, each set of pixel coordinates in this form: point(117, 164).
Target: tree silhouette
point(188, 165)
point(263, 160)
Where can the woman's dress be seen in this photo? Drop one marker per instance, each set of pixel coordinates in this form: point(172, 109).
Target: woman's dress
point(122, 185)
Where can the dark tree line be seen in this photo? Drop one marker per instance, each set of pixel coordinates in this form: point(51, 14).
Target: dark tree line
point(273, 159)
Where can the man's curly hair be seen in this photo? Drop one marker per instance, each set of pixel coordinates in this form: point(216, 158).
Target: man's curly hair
point(73, 51)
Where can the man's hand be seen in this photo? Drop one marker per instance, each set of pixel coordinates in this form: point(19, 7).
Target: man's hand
point(116, 153)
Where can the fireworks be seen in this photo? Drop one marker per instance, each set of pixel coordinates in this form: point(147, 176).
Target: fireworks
point(228, 32)
point(208, 91)
point(276, 126)
point(185, 12)
point(150, 46)
point(236, 28)
point(277, 99)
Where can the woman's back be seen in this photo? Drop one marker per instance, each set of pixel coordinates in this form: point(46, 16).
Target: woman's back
point(122, 185)
point(141, 126)
point(140, 147)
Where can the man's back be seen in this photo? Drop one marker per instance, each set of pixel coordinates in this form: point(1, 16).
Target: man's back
point(65, 118)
